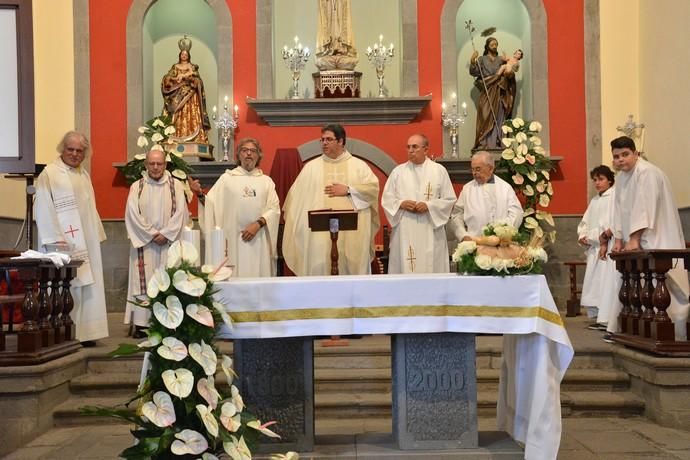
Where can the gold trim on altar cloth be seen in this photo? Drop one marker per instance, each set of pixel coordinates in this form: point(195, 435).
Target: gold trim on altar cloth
point(397, 311)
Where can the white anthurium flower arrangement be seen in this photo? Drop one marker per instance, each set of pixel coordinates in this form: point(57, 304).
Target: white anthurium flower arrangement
point(524, 165)
point(501, 250)
point(158, 134)
point(188, 406)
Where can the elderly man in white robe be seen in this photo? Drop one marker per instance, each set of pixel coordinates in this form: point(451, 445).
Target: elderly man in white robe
point(335, 180)
point(244, 203)
point(646, 217)
point(66, 213)
point(417, 199)
point(484, 200)
point(155, 214)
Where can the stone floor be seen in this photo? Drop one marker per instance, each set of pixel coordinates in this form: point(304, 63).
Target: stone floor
point(582, 438)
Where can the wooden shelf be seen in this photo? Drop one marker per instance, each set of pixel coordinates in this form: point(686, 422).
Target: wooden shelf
point(347, 111)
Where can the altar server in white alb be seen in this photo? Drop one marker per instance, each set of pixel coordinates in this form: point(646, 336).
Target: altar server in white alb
point(646, 217)
point(243, 202)
point(594, 234)
point(65, 210)
point(417, 199)
point(335, 180)
point(485, 199)
point(155, 215)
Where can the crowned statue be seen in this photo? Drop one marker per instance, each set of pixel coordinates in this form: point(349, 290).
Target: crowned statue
point(184, 100)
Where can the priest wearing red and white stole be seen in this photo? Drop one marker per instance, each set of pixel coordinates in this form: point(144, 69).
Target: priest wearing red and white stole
point(65, 211)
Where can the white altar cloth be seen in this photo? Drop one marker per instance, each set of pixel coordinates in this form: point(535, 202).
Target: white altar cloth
point(536, 347)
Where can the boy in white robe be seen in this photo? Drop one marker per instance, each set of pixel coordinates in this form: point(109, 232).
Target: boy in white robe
point(646, 217)
point(417, 199)
point(600, 271)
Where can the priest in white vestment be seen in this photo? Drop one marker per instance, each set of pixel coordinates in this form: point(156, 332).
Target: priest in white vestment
point(65, 210)
point(484, 200)
point(646, 217)
point(593, 233)
point(417, 199)
point(334, 180)
point(155, 214)
point(243, 202)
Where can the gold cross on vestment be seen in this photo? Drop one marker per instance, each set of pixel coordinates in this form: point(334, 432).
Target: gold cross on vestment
point(429, 191)
point(410, 257)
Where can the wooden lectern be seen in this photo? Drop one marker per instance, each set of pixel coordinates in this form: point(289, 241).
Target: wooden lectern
point(334, 221)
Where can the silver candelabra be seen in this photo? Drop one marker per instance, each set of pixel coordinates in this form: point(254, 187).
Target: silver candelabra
point(295, 59)
point(226, 124)
point(452, 120)
point(379, 56)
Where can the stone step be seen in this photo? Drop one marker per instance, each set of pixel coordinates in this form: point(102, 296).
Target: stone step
point(69, 414)
point(573, 404)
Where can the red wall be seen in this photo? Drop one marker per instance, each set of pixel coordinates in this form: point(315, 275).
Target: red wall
point(109, 97)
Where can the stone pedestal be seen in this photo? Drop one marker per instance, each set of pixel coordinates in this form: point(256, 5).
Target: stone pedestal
point(276, 380)
point(434, 391)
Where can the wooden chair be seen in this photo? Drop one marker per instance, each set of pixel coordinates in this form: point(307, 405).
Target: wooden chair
point(573, 303)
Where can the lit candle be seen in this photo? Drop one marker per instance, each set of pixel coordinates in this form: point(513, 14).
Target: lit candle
point(284, 47)
point(454, 96)
point(380, 38)
point(296, 39)
point(443, 106)
point(192, 236)
point(236, 111)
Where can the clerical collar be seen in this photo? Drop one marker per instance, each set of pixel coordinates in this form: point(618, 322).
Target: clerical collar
point(491, 180)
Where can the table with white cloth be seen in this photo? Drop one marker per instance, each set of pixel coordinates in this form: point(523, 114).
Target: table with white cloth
point(536, 347)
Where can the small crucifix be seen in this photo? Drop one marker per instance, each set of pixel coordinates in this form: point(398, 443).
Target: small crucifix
point(72, 230)
point(410, 257)
point(429, 191)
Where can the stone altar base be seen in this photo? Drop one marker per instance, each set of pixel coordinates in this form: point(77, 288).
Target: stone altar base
point(434, 391)
point(276, 381)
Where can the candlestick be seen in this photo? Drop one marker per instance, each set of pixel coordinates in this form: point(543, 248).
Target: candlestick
point(379, 56)
point(226, 125)
point(452, 120)
point(295, 59)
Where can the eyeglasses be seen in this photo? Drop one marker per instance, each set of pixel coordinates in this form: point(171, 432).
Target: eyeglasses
point(327, 140)
point(414, 147)
point(248, 150)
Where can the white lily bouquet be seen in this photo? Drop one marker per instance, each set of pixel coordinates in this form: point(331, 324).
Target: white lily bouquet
point(185, 409)
point(157, 134)
point(500, 251)
point(526, 167)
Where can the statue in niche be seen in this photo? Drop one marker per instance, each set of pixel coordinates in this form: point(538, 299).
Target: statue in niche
point(184, 98)
point(335, 45)
point(495, 80)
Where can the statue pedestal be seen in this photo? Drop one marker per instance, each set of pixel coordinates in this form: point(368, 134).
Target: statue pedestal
point(336, 83)
point(191, 150)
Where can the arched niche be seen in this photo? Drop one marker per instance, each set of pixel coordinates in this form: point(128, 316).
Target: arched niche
point(523, 27)
point(269, 44)
point(358, 148)
point(152, 46)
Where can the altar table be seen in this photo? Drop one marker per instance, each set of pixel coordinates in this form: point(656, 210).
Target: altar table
point(536, 347)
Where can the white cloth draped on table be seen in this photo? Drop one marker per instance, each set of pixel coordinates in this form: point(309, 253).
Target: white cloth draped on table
point(536, 347)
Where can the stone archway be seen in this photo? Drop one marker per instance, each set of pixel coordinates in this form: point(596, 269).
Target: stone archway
point(135, 72)
point(360, 149)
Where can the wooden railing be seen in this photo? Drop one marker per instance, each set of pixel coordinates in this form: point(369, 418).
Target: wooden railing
point(643, 321)
point(47, 331)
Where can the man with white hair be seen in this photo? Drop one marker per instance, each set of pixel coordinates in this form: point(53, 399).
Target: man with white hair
point(65, 211)
point(485, 199)
point(155, 214)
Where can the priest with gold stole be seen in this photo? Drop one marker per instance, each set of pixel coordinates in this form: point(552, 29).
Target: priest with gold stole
point(417, 199)
point(66, 213)
point(335, 180)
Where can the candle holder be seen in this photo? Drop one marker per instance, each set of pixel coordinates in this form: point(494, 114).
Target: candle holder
point(379, 56)
point(452, 120)
point(226, 124)
point(295, 59)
